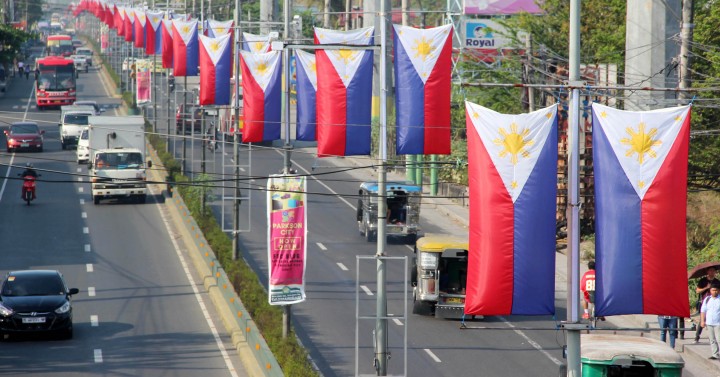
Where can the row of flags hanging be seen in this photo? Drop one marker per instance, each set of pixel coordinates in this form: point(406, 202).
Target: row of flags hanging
point(640, 158)
point(640, 180)
point(334, 90)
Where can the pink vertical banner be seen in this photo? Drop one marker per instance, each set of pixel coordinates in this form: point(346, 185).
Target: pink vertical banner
point(287, 239)
point(104, 43)
point(143, 77)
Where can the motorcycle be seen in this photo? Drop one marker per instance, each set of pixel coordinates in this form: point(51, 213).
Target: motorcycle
point(28, 188)
point(211, 139)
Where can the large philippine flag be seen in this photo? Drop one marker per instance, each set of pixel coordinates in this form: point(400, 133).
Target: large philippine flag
point(153, 34)
point(640, 160)
point(512, 174)
point(167, 44)
point(185, 48)
point(215, 68)
point(261, 96)
point(129, 27)
point(219, 28)
point(256, 43)
point(120, 20)
point(139, 35)
point(306, 96)
point(344, 93)
point(423, 69)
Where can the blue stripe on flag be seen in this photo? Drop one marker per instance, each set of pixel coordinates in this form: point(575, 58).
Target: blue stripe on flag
point(306, 106)
point(410, 102)
point(271, 129)
point(359, 109)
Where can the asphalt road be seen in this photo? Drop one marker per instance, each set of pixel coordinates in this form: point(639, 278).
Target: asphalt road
point(138, 312)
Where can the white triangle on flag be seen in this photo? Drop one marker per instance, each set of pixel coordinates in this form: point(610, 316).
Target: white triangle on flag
point(154, 18)
point(186, 30)
point(258, 43)
point(359, 37)
point(345, 62)
point(168, 25)
point(307, 61)
point(140, 15)
point(129, 12)
point(215, 47)
point(423, 46)
point(261, 66)
point(513, 142)
point(219, 28)
point(641, 140)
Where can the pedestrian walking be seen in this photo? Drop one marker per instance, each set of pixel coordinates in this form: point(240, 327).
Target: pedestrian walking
point(710, 318)
point(668, 324)
point(703, 291)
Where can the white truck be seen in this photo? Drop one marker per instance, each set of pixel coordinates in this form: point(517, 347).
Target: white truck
point(72, 121)
point(117, 157)
point(80, 62)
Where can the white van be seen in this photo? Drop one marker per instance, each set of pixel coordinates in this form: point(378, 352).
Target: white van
point(72, 120)
point(83, 146)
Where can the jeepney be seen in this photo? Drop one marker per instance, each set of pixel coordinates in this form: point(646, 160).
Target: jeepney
point(438, 275)
point(403, 210)
point(625, 356)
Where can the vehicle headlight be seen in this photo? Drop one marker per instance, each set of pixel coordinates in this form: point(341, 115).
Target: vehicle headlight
point(5, 311)
point(64, 308)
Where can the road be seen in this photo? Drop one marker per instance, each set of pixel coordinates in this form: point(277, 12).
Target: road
point(139, 311)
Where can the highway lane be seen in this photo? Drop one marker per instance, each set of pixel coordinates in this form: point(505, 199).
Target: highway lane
point(326, 321)
point(138, 312)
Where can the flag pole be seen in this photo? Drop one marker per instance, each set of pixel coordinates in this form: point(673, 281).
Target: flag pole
point(287, 148)
point(381, 340)
point(236, 136)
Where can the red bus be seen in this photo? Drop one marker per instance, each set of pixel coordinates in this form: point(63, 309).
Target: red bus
point(55, 84)
point(59, 45)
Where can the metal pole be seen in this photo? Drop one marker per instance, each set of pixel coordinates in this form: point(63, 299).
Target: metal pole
point(573, 214)
point(326, 15)
point(381, 340)
point(687, 36)
point(154, 94)
point(409, 158)
point(183, 116)
point(287, 148)
point(528, 53)
point(236, 135)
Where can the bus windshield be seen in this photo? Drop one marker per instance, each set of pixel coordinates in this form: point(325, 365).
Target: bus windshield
point(56, 77)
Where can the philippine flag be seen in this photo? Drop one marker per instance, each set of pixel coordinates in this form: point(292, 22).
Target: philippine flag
point(261, 96)
point(120, 21)
point(153, 34)
point(167, 44)
point(215, 68)
point(185, 48)
point(306, 96)
point(219, 28)
point(256, 43)
point(139, 35)
point(640, 160)
point(512, 178)
point(129, 27)
point(423, 69)
point(344, 93)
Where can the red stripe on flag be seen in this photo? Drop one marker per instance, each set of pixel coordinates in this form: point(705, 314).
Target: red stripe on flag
point(331, 100)
point(437, 103)
point(253, 107)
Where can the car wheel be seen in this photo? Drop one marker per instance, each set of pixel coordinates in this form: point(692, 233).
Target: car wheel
point(40, 149)
point(421, 307)
point(63, 146)
point(142, 199)
point(96, 200)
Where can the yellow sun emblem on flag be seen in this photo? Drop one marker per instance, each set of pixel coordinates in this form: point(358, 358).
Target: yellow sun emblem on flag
point(641, 142)
point(214, 46)
point(185, 29)
point(261, 67)
point(514, 143)
point(313, 67)
point(422, 48)
point(346, 55)
point(155, 19)
point(257, 46)
point(221, 30)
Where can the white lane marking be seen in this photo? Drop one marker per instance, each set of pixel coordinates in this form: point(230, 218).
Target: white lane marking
point(87, 248)
point(7, 174)
point(82, 201)
point(86, 230)
point(89, 267)
point(80, 179)
point(94, 321)
point(27, 107)
point(342, 266)
point(397, 322)
point(432, 355)
point(16, 107)
point(201, 302)
point(80, 189)
point(84, 215)
point(410, 247)
point(98, 355)
point(367, 290)
point(321, 246)
point(532, 342)
point(79, 170)
point(91, 291)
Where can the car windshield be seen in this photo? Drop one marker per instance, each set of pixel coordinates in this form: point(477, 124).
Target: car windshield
point(80, 119)
point(37, 285)
point(24, 129)
point(84, 135)
point(118, 161)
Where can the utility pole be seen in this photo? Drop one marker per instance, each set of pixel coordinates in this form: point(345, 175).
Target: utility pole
point(573, 325)
point(287, 148)
point(528, 54)
point(687, 37)
point(326, 15)
point(236, 135)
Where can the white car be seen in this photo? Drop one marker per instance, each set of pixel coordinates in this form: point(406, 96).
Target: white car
point(83, 147)
point(80, 62)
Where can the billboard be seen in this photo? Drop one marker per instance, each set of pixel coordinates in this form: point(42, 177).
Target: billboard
point(484, 34)
point(500, 7)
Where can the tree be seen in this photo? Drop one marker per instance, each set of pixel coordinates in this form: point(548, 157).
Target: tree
point(11, 39)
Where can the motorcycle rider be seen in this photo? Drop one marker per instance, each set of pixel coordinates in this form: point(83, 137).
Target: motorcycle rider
point(29, 172)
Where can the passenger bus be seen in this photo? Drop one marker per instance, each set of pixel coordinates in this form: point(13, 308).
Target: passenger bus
point(55, 84)
point(60, 45)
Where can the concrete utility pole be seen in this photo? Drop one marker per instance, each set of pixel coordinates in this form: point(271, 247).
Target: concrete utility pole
point(268, 13)
point(236, 135)
point(687, 37)
point(287, 148)
point(573, 325)
point(326, 15)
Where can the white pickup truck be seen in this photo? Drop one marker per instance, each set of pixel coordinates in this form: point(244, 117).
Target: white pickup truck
point(80, 62)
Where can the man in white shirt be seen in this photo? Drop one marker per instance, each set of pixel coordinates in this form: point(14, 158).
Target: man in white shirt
point(710, 318)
